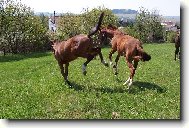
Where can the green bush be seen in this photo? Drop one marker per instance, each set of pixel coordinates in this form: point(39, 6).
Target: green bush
point(131, 31)
point(148, 26)
point(21, 30)
point(171, 36)
point(70, 24)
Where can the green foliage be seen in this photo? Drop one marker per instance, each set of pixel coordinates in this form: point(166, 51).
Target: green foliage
point(44, 20)
point(131, 31)
point(148, 26)
point(21, 30)
point(72, 24)
point(171, 36)
point(32, 88)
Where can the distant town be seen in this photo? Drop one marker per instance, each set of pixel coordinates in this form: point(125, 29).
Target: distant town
point(125, 16)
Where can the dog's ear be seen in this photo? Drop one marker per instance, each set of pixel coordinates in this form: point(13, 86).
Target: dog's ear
point(52, 42)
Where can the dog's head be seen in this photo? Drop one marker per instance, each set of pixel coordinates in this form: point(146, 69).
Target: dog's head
point(53, 44)
point(146, 57)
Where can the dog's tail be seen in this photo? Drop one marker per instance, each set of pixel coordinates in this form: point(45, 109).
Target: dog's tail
point(144, 55)
point(97, 27)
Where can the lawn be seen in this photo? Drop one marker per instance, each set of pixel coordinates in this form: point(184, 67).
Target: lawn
point(31, 87)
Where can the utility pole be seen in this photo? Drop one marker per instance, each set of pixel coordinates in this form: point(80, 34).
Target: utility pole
point(54, 17)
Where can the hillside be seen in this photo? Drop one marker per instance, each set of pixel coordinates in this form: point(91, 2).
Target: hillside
point(126, 14)
point(124, 11)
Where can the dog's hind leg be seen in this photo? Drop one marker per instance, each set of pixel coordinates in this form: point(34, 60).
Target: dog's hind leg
point(132, 72)
point(115, 66)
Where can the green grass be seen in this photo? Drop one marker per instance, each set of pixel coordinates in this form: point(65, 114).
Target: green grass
point(31, 87)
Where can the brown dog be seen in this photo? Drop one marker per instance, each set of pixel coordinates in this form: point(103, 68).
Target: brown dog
point(127, 46)
point(77, 46)
point(177, 45)
point(113, 33)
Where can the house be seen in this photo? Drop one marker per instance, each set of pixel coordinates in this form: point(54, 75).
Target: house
point(53, 22)
point(169, 25)
point(52, 25)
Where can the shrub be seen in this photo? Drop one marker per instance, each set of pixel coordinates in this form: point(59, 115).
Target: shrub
point(21, 30)
point(148, 26)
point(71, 24)
point(171, 36)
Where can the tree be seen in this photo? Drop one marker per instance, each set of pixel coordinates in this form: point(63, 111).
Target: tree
point(21, 30)
point(148, 25)
point(70, 24)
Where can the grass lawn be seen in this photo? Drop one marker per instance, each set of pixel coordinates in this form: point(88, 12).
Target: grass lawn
point(31, 87)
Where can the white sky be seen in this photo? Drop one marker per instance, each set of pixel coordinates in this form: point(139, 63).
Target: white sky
point(165, 7)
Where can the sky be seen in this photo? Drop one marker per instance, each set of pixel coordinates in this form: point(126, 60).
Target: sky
point(165, 7)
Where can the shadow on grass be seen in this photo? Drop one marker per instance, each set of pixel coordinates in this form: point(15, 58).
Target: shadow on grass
point(141, 86)
point(76, 86)
point(103, 89)
point(110, 90)
point(17, 57)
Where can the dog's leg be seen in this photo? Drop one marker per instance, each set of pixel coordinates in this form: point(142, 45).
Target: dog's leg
point(62, 69)
point(135, 66)
point(110, 56)
point(137, 58)
point(130, 83)
point(115, 66)
point(132, 71)
point(127, 81)
point(84, 66)
point(66, 73)
point(176, 52)
point(84, 69)
point(102, 60)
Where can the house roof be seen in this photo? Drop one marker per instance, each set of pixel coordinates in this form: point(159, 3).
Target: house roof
point(168, 23)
